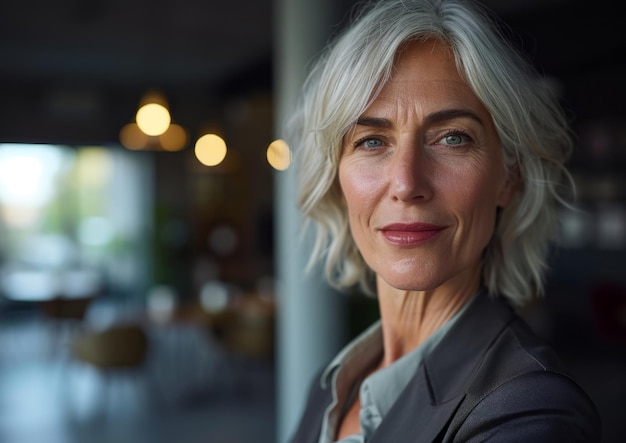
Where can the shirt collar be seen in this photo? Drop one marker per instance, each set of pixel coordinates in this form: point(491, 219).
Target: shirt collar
point(366, 346)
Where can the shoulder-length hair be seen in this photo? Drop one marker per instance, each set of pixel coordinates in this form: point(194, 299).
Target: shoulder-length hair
point(532, 127)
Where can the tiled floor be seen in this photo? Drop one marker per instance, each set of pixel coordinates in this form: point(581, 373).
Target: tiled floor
point(188, 391)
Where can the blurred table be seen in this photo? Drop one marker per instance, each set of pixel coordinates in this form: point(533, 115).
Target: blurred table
point(62, 296)
point(35, 286)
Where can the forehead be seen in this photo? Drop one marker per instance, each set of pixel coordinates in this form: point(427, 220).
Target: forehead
point(425, 60)
point(425, 72)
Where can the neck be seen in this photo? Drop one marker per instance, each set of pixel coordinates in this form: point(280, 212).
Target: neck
point(410, 317)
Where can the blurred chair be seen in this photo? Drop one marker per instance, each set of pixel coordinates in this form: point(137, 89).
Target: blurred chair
point(64, 318)
point(118, 346)
point(248, 339)
point(247, 336)
point(249, 332)
point(59, 308)
point(120, 350)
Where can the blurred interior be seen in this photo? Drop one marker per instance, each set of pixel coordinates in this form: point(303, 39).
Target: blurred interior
point(138, 278)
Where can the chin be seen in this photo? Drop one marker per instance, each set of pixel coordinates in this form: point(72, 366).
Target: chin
point(410, 282)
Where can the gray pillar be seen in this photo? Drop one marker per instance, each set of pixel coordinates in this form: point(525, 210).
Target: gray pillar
point(311, 320)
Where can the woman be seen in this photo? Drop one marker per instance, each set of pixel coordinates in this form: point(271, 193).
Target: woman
point(432, 163)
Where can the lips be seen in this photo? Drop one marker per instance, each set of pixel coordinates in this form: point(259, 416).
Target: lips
point(411, 234)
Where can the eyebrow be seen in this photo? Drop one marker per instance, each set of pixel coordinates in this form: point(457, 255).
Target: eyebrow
point(435, 117)
point(374, 122)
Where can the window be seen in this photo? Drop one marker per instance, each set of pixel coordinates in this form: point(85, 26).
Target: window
point(72, 218)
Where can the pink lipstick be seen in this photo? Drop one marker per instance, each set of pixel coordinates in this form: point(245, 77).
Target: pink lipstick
point(411, 234)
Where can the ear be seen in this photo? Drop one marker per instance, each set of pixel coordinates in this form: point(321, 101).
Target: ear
point(511, 187)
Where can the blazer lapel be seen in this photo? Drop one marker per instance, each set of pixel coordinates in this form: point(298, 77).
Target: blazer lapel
point(414, 417)
point(310, 425)
point(432, 397)
point(452, 364)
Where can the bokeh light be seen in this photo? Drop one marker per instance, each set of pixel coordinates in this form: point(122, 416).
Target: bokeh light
point(174, 139)
point(210, 150)
point(279, 155)
point(153, 119)
point(132, 137)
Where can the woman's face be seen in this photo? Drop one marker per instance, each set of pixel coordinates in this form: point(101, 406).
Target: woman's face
point(422, 174)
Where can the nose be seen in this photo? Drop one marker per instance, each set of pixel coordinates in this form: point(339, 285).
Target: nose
point(411, 173)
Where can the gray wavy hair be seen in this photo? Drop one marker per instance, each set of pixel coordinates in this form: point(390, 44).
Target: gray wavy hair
point(532, 127)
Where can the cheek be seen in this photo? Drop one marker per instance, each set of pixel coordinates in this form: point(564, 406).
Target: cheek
point(359, 188)
point(476, 198)
point(478, 183)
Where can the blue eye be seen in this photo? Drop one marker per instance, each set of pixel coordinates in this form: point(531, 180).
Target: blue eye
point(454, 139)
point(372, 143)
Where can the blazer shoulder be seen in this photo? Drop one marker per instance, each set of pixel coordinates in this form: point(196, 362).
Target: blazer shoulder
point(521, 391)
point(515, 351)
point(539, 406)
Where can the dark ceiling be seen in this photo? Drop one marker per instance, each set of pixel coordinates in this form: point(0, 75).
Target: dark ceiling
point(73, 70)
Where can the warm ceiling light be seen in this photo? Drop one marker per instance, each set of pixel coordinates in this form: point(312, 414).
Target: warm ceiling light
point(153, 119)
point(210, 150)
point(174, 139)
point(279, 155)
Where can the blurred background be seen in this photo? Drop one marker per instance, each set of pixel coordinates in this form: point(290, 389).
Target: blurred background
point(140, 279)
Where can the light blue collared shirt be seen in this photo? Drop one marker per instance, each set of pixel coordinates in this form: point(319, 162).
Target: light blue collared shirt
point(379, 391)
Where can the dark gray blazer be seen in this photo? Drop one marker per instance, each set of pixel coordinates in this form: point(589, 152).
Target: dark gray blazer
point(490, 379)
